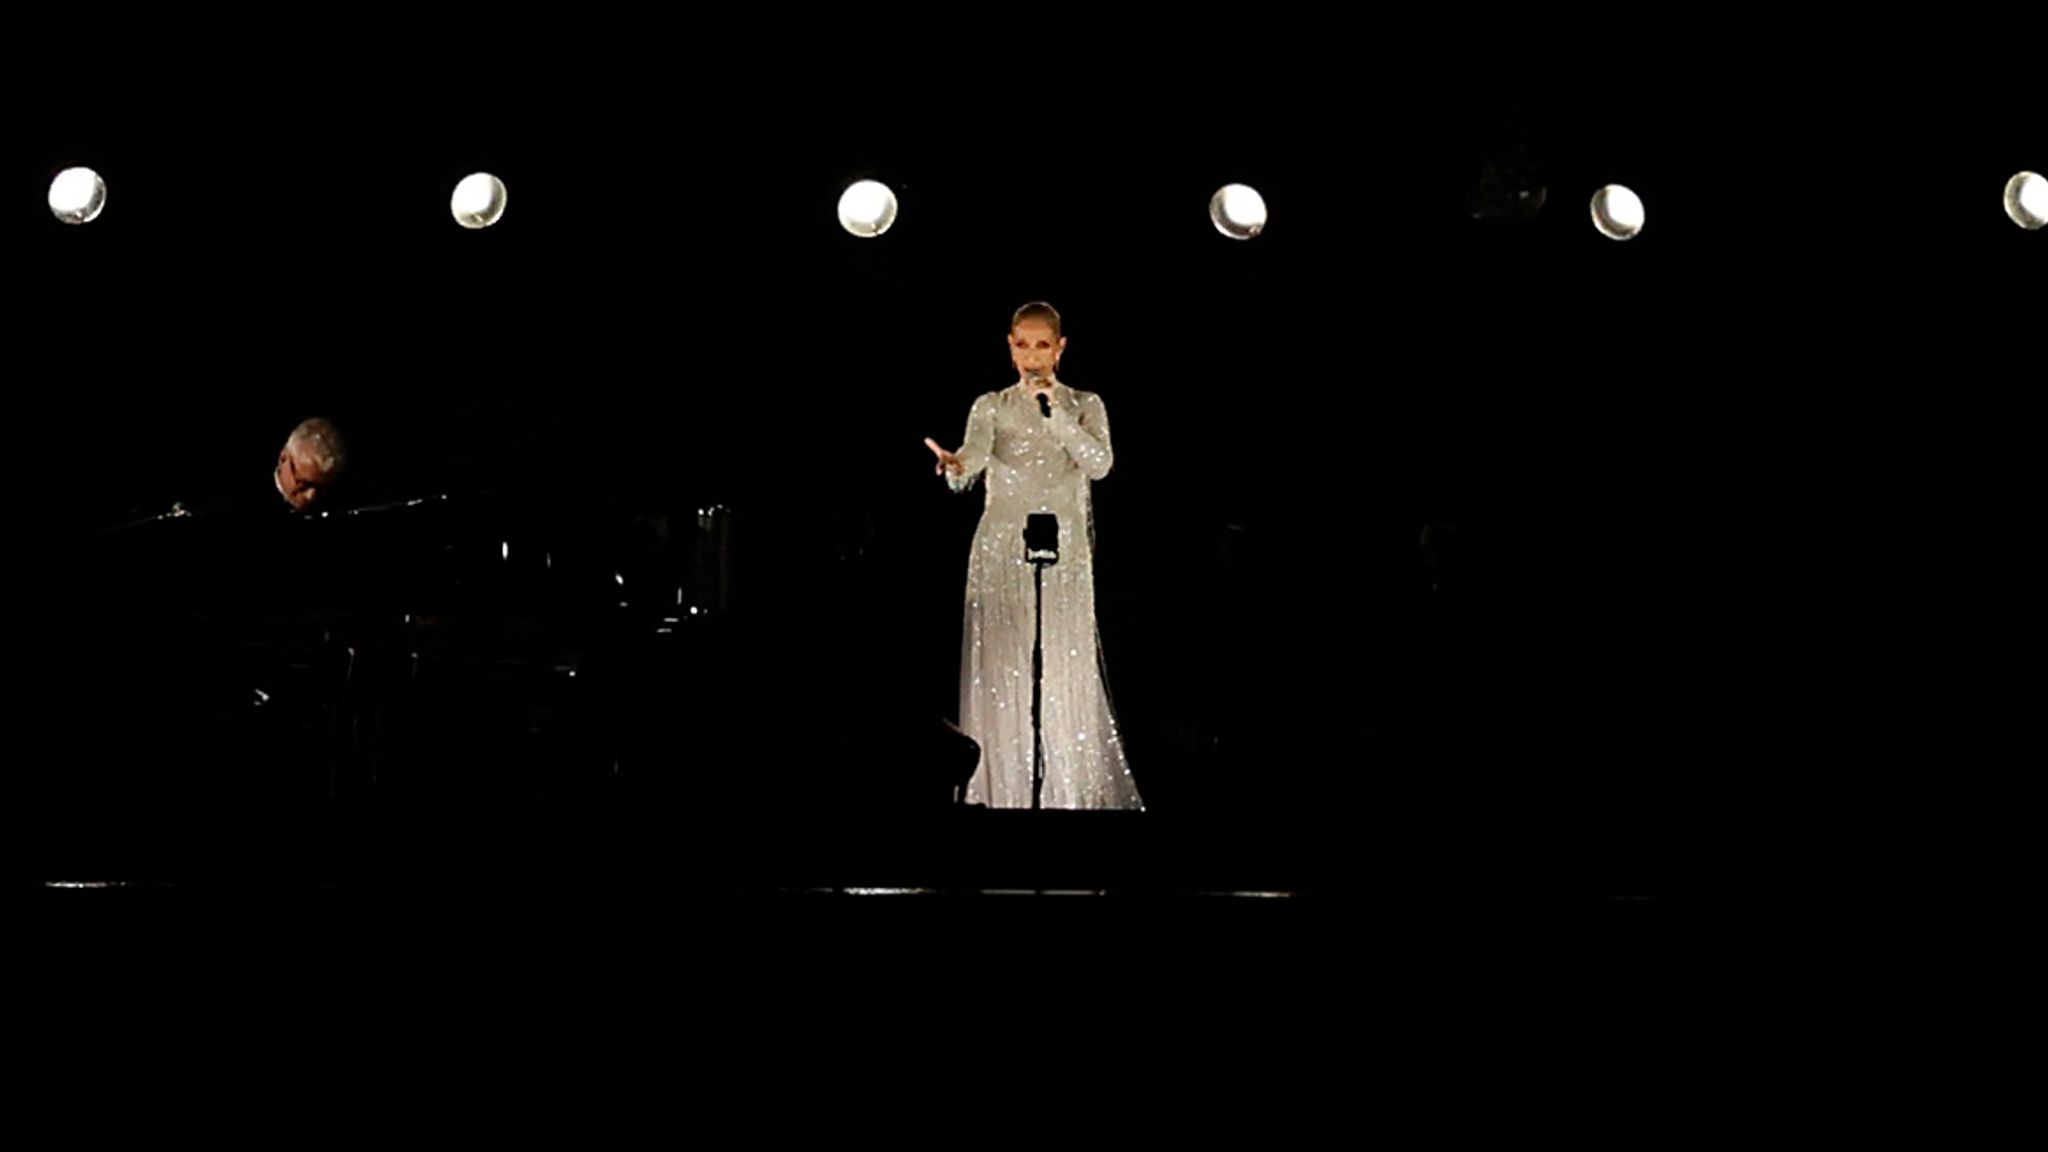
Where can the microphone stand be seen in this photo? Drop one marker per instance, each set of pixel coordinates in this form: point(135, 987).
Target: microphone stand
point(1041, 548)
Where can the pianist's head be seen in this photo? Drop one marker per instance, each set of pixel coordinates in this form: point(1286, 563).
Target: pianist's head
point(310, 464)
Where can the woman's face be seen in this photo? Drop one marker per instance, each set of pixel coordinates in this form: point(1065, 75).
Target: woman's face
point(1034, 347)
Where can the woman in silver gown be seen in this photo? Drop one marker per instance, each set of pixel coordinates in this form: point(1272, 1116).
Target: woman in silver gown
point(1038, 445)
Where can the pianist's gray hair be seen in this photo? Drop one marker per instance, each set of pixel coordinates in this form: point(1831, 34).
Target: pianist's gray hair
point(319, 441)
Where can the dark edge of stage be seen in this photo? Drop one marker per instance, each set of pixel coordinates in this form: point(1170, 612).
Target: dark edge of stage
point(1389, 859)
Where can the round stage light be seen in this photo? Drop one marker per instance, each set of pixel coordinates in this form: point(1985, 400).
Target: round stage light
point(1617, 212)
point(77, 195)
point(2026, 200)
point(867, 208)
point(479, 200)
point(1238, 211)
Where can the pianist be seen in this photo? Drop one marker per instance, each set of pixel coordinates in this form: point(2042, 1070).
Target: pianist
point(310, 464)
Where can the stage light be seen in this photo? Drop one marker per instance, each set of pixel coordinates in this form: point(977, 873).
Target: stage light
point(1238, 211)
point(867, 208)
point(2026, 200)
point(77, 195)
point(1617, 212)
point(478, 201)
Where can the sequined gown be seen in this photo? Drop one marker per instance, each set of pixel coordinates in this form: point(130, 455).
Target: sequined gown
point(1028, 463)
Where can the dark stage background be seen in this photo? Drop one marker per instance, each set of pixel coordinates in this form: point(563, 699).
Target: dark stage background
point(1729, 499)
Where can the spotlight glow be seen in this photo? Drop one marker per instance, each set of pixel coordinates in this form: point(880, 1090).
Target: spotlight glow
point(2026, 200)
point(867, 208)
point(1617, 212)
point(479, 200)
point(1238, 211)
point(77, 195)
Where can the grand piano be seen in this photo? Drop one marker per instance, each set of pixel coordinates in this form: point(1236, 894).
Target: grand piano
point(440, 646)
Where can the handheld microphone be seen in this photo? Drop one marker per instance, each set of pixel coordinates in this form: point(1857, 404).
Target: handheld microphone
point(1044, 401)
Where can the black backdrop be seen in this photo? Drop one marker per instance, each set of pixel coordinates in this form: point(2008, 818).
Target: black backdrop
point(1720, 491)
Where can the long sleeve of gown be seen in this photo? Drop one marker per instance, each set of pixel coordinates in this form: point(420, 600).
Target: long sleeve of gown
point(1083, 430)
point(977, 446)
